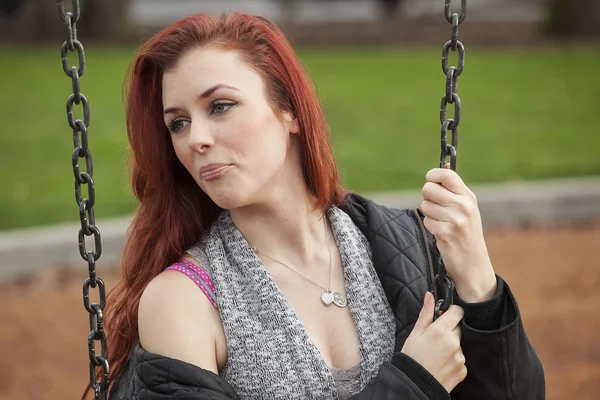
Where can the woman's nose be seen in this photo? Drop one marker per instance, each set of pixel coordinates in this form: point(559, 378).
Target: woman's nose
point(201, 138)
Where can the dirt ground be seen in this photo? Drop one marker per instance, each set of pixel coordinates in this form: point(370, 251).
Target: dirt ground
point(554, 273)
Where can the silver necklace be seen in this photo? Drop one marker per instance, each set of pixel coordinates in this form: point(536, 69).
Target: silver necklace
point(328, 297)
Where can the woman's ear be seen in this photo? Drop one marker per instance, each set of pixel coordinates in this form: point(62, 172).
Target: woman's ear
point(291, 123)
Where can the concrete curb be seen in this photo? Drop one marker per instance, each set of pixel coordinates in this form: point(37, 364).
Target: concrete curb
point(575, 200)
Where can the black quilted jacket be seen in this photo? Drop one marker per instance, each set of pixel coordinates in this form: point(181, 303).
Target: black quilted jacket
point(501, 362)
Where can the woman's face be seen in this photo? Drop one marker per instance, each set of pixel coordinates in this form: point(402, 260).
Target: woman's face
point(223, 129)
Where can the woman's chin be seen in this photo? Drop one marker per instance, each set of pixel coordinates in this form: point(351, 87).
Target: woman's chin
point(225, 199)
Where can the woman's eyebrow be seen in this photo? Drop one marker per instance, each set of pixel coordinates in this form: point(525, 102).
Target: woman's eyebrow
point(211, 90)
point(204, 95)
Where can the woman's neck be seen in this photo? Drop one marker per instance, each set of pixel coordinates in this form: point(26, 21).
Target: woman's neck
point(285, 227)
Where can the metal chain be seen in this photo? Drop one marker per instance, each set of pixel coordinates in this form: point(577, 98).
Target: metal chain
point(85, 205)
point(443, 287)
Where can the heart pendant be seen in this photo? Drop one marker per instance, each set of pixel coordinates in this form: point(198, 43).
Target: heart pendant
point(339, 299)
point(327, 298)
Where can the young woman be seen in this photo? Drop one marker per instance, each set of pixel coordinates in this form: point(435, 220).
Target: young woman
point(249, 273)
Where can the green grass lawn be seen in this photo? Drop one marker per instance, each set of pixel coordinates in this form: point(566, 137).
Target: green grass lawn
point(526, 115)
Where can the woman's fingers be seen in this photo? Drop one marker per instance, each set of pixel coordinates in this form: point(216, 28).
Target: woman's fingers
point(435, 211)
point(450, 319)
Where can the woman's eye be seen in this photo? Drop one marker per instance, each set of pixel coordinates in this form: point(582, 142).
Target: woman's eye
point(215, 108)
point(220, 107)
point(177, 124)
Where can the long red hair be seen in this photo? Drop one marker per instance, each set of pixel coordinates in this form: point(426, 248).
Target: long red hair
point(173, 211)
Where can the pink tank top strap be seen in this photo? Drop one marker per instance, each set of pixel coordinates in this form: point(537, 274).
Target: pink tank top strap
point(200, 278)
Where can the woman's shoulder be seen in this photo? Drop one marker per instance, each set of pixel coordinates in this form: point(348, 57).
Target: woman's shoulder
point(176, 319)
point(180, 281)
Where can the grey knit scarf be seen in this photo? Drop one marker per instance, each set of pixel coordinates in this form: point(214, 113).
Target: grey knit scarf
point(270, 355)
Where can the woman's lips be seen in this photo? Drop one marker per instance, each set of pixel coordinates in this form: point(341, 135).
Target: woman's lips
point(211, 172)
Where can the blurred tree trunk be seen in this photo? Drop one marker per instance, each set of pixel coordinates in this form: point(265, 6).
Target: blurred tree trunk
point(9, 7)
point(38, 21)
point(104, 20)
point(390, 9)
point(573, 17)
point(287, 9)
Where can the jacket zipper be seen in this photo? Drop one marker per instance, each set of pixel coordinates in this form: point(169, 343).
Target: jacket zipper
point(427, 252)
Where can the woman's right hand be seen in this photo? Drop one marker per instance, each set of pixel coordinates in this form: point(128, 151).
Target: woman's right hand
point(436, 344)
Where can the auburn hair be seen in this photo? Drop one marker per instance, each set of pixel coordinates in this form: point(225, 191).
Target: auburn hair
point(173, 211)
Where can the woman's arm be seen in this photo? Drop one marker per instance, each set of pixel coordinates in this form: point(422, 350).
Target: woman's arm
point(500, 360)
point(501, 363)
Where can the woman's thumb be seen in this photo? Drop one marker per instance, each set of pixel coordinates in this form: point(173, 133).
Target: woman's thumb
point(426, 314)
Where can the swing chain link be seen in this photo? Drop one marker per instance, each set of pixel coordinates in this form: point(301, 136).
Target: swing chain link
point(85, 204)
point(443, 287)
